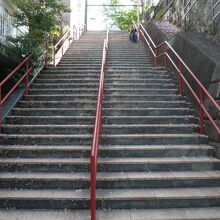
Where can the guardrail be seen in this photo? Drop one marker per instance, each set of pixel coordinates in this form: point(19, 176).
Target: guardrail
point(180, 67)
point(64, 43)
point(23, 64)
point(97, 130)
point(43, 59)
point(215, 13)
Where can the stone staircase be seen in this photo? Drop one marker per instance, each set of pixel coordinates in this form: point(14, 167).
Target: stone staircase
point(46, 141)
point(153, 163)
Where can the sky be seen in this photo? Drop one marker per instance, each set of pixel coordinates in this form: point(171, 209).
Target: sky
point(96, 20)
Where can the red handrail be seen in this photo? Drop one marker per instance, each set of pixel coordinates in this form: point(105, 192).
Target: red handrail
point(97, 131)
point(24, 63)
point(203, 93)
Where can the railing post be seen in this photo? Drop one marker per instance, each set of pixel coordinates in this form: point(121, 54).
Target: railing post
point(93, 189)
point(54, 60)
point(148, 50)
point(180, 89)
point(46, 54)
point(62, 51)
point(26, 80)
point(155, 51)
point(201, 114)
point(165, 56)
point(1, 109)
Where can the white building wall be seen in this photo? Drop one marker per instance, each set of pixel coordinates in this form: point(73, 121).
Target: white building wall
point(6, 21)
point(77, 15)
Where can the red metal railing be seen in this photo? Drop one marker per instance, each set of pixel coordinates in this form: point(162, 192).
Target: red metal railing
point(180, 67)
point(64, 43)
point(97, 131)
point(23, 64)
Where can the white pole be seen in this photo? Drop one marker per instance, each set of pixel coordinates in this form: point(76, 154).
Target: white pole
point(138, 13)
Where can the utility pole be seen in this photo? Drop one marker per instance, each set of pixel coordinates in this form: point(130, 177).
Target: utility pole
point(138, 13)
point(143, 5)
point(86, 14)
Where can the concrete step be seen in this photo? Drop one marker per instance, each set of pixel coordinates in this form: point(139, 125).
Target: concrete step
point(210, 213)
point(79, 91)
point(77, 67)
point(141, 81)
point(133, 86)
point(150, 129)
point(46, 139)
point(149, 69)
point(107, 129)
point(56, 71)
point(126, 164)
point(54, 112)
point(64, 85)
point(112, 98)
point(47, 129)
point(175, 119)
point(127, 180)
point(68, 80)
point(107, 104)
point(145, 104)
point(57, 104)
point(107, 151)
point(146, 97)
point(138, 77)
point(144, 91)
point(112, 199)
point(76, 62)
point(48, 77)
point(54, 97)
point(71, 120)
point(142, 139)
point(45, 120)
point(146, 111)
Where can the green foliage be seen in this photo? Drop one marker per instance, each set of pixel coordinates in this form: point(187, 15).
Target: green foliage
point(159, 14)
point(42, 19)
point(121, 17)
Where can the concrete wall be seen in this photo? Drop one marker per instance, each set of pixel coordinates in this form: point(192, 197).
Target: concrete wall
point(203, 58)
point(76, 16)
point(199, 18)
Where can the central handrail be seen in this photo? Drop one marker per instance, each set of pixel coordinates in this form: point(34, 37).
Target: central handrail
point(203, 93)
point(97, 130)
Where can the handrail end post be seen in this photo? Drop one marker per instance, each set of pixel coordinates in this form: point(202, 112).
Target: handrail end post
point(1, 116)
point(201, 114)
point(180, 89)
point(93, 188)
point(165, 56)
point(26, 85)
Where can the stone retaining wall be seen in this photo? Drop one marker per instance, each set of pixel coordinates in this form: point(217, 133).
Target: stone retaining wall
point(202, 56)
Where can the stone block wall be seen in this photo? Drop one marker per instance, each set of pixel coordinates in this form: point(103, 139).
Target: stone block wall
point(199, 18)
point(203, 58)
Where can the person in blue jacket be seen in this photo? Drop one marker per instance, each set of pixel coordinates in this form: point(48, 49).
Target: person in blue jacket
point(133, 34)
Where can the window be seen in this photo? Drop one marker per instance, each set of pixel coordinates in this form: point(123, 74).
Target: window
point(6, 27)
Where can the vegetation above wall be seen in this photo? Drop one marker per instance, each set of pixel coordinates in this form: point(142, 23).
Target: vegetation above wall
point(123, 17)
point(42, 19)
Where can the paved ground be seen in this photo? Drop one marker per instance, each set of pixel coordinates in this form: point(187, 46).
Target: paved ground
point(170, 214)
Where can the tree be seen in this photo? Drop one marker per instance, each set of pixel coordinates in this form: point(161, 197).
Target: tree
point(124, 17)
point(41, 18)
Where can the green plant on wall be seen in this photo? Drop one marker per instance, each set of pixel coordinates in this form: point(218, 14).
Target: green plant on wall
point(42, 20)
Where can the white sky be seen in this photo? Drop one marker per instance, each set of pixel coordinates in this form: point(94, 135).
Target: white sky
point(96, 20)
